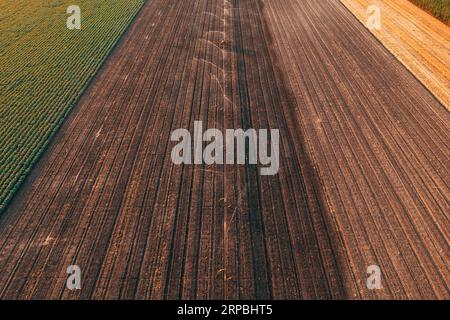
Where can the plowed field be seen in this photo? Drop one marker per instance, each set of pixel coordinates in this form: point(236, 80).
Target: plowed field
point(363, 176)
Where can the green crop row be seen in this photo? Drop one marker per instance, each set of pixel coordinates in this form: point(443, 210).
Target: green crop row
point(44, 69)
point(438, 8)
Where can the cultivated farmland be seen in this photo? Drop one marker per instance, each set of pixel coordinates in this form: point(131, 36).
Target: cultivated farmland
point(417, 39)
point(439, 8)
point(45, 67)
point(363, 176)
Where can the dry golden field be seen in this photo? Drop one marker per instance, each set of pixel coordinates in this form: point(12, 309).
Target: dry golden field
point(418, 40)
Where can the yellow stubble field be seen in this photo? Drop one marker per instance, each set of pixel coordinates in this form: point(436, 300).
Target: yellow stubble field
point(419, 40)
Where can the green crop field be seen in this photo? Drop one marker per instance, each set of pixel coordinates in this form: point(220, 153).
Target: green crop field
point(44, 69)
point(438, 8)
